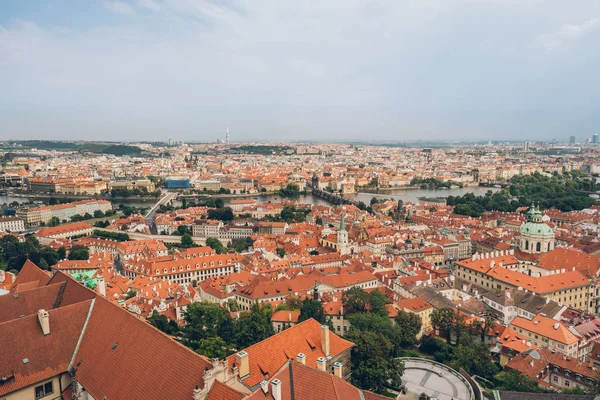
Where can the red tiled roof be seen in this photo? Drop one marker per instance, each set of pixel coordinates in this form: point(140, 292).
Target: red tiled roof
point(47, 355)
point(123, 357)
point(302, 382)
point(220, 391)
point(267, 356)
point(31, 273)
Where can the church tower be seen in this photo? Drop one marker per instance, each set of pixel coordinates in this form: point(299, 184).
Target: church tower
point(536, 237)
point(342, 237)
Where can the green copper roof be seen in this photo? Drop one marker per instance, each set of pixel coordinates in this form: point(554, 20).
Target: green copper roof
point(537, 228)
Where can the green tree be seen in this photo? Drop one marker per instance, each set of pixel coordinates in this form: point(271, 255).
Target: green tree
point(287, 214)
point(216, 245)
point(98, 214)
point(79, 252)
point(293, 303)
point(213, 347)
point(54, 221)
point(372, 367)
point(409, 325)
point(442, 320)
point(204, 320)
point(253, 326)
point(312, 308)
point(280, 252)
point(163, 323)
point(61, 253)
point(356, 300)
point(187, 241)
point(514, 381)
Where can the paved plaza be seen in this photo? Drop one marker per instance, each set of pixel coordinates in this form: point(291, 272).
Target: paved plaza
point(440, 382)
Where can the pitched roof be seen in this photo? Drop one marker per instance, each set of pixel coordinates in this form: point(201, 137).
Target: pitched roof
point(546, 327)
point(123, 357)
point(301, 382)
point(28, 302)
point(46, 356)
point(220, 391)
point(267, 356)
point(31, 273)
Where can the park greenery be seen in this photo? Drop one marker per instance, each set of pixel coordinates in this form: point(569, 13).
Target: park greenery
point(566, 192)
point(118, 236)
point(433, 183)
point(263, 149)
point(211, 331)
point(94, 147)
point(13, 253)
point(291, 190)
point(141, 191)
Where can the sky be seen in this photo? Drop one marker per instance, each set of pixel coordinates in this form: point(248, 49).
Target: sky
point(277, 70)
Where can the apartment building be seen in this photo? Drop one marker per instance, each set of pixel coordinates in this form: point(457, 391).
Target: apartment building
point(196, 264)
point(12, 224)
point(548, 333)
point(47, 235)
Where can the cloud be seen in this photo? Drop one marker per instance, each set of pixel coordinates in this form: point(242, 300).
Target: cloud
point(150, 4)
point(300, 70)
point(118, 7)
point(569, 33)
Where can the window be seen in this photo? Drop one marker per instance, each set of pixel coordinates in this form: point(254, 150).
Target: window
point(43, 390)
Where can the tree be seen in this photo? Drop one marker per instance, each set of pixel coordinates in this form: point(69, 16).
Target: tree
point(162, 323)
point(131, 293)
point(319, 221)
point(253, 326)
point(287, 214)
point(61, 253)
point(356, 300)
point(312, 308)
point(474, 358)
point(54, 221)
point(514, 381)
point(79, 252)
point(293, 303)
point(187, 241)
point(409, 325)
point(442, 320)
point(372, 367)
point(204, 320)
point(280, 252)
point(216, 245)
point(213, 347)
point(98, 214)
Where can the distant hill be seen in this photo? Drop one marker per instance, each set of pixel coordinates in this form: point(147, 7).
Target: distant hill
point(101, 148)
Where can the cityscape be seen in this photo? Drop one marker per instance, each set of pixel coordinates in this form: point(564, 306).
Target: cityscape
point(278, 231)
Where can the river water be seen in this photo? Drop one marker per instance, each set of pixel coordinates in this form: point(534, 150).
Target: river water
point(406, 195)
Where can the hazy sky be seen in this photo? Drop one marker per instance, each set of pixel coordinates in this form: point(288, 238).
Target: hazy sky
point(299, 69)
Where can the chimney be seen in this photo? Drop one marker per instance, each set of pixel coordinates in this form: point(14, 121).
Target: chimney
point(243, 363)
point(44, 319)
point(337, 369)
point(301, 358)
point(100, 285)
point(264, 385)
point(325, 339)
point(276, 389)
point(322, 364)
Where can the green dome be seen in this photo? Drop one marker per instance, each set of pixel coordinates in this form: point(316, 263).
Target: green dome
point(536, 228)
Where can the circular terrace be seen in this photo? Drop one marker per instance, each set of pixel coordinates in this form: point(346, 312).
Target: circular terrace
point(434, 379)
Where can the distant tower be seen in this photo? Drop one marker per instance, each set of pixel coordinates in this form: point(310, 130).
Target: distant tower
point(595, 138)
point(572, 139)
point(342, 237)
point(526, 146)
point(227, 136)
